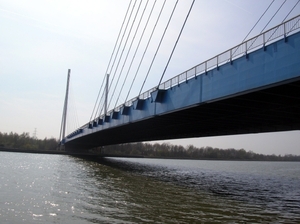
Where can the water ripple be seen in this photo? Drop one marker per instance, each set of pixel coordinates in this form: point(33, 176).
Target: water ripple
point(64, 189)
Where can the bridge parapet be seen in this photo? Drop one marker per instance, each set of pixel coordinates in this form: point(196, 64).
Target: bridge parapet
point(282, 30)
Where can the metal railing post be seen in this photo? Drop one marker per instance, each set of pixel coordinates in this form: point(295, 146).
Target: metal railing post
point(284, 31)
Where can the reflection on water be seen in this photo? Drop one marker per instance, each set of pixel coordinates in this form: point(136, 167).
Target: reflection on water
point(64, 189)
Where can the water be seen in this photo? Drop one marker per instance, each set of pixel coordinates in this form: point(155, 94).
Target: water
point(63, 189)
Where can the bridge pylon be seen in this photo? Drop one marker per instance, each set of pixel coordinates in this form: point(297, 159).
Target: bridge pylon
point(64, 116)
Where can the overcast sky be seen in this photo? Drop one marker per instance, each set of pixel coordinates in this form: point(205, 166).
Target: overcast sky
point(41, 39)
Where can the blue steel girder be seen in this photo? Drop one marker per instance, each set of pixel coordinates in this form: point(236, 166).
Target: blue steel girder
point(255, 93)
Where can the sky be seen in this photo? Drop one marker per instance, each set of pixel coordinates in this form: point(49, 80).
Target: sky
point(41, 40)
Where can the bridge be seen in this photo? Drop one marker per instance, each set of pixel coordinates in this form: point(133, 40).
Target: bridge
point(253, 87)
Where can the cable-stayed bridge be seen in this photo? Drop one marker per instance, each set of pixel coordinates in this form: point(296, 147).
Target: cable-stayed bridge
point(253, 87)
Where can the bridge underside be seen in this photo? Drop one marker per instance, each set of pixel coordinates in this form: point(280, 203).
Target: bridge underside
point(271, 109)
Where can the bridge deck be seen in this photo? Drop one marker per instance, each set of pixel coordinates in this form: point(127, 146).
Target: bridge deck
point(258, 92)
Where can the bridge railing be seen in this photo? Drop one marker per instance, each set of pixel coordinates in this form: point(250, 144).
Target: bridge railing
point(263, 39)
point(284, 29)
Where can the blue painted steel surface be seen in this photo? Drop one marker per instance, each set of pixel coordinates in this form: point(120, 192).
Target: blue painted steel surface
point(278, 62)
point(269, 65)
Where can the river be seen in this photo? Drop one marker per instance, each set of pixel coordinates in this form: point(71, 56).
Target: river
point(39, 188)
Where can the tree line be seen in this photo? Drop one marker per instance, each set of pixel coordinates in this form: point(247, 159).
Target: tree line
point(166, 150)
point(24, 141)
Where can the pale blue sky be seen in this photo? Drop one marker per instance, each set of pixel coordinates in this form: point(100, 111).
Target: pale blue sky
point(41, 40)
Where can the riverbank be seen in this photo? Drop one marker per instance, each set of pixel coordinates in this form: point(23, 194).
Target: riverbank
point(97, 154)
point(3, 149)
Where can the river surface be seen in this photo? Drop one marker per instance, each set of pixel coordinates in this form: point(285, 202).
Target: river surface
point(37, 188)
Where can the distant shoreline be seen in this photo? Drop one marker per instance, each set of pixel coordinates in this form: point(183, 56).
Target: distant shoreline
point(3, 149)
point(54, 152)
point(188, 158)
